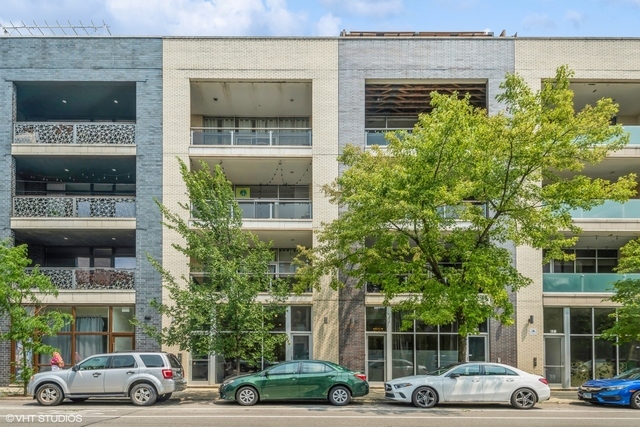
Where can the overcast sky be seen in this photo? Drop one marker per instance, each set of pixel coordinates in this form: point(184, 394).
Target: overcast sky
point(531, 18)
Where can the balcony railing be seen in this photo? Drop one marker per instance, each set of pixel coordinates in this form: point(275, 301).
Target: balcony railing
point(634, 134)
point(202, 278)
point(275, 209)
point(292, 137)
point(610, 209)
point(583, 282)
point(74, 133)
point(90, 278)
point(376, 136)
point(74, 207)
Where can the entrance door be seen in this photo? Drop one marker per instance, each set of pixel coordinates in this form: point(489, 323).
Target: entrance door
point(554, 359)
point(376, 358)
point(477, 349)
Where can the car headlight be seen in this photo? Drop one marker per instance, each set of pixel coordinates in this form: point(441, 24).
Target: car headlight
point(402, 385)
point(617, 387)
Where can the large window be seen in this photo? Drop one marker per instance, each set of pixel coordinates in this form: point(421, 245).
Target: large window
point(96, 329)
point(586, 261)
point(574, 351)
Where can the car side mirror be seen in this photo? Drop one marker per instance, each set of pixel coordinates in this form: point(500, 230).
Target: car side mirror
point(454, 376)
point(264, 373)
point(75, 368)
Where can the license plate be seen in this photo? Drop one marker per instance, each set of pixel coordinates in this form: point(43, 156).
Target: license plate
point(586, 395)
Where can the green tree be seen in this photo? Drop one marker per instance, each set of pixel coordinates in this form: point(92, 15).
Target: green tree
point(223, 313)
point(21, 304)
point(626, 329)
point(430, 218)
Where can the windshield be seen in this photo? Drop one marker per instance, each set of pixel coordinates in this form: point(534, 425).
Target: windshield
point(632, 374)
point(442, 369)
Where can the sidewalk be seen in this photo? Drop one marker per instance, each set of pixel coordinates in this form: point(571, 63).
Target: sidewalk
point(376, 394)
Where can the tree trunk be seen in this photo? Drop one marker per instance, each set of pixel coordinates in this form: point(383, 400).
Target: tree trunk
point(462, 348)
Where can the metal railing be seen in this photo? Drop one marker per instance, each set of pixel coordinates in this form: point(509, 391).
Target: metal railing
point(293, 137)
point(74, 133)
point(376, 136)
point(202, 278)
point(69, 278)
point(74, 207)
point(583, 282)
point(276, 209)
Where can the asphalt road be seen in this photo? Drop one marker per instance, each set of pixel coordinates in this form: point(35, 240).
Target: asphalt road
point(187, 413)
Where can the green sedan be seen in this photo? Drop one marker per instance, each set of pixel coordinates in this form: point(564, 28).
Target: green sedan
point(297, 380)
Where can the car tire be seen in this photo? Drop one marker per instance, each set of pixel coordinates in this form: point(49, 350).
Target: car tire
point(163, 397)
point(143, 394)
point(339, 395)
point(424, 397)
point(635, 400)
point(247, 396)
point(523, 398)
point(78, 399)
point(49, 395)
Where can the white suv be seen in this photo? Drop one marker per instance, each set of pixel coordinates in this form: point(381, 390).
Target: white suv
point(144, 377)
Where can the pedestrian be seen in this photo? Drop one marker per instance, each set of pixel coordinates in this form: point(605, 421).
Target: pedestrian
point(57, 362)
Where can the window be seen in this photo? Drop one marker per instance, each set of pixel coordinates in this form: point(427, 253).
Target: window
point(467, 370)
point(315, 368)
point(285, 369)
point(152, 360)
point(99, 362)
point(123, 361)
point(498, 370)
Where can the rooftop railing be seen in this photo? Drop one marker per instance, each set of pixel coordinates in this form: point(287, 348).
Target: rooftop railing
point(74, 133)
point(293, 137)
point(74, 207)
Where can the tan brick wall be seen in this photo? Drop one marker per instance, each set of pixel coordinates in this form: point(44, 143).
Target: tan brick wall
point(256, 59)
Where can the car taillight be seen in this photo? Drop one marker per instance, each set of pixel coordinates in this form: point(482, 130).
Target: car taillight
point(543, 380)
point(167, 374)
point(363, 377)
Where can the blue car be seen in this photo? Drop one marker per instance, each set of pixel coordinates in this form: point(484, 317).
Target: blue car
point(622, 390)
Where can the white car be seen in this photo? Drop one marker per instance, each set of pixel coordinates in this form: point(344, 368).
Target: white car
point(473, 382)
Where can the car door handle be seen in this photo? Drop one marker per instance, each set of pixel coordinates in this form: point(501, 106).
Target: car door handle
point(509, 380)
point(293, 379)
point(130, 372)
point(96, 374)
point(476, 381)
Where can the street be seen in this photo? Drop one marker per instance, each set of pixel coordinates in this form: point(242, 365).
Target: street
point(357, 414)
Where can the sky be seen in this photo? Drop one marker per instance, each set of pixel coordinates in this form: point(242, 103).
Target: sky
point(524, 18)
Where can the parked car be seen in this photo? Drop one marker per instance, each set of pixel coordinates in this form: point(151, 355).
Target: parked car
point(473, 382)
point(297, 380)
point(144, 377)
point(622, 390)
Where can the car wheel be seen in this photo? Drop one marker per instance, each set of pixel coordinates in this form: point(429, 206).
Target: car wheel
point(424, 397)
point(339, 395)
point(247, 396)
point(523, 399)
point(143, 395)
point(78, 399)
point(164, 397)
point(49, 395)
point(635, 400)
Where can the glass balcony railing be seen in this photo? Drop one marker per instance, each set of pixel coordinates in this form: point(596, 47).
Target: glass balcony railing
point(69, 278)
point(292, 137)
point(376, 136)
point(74, 207)
point(583, 282)
point(275, 209)
point(610, 209)
point(634, 134)
point(74, 133)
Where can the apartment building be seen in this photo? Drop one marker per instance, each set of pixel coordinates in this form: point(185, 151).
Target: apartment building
point(91, 130)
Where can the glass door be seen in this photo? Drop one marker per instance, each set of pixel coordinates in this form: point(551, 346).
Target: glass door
point(477, 349)
point(554, 360)
point(376, 348)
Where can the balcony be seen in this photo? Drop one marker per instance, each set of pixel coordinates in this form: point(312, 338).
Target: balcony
point(74, 133)
point(275, 209)
point(90, 278)
point(610, 209)
point(583, 282)
point(74, 207)
point(376, 136)
point(280, 137)
point(634, 134)
point(202, 278)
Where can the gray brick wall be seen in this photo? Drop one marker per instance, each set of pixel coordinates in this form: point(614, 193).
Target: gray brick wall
point(362, 59)
point(96, 59)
